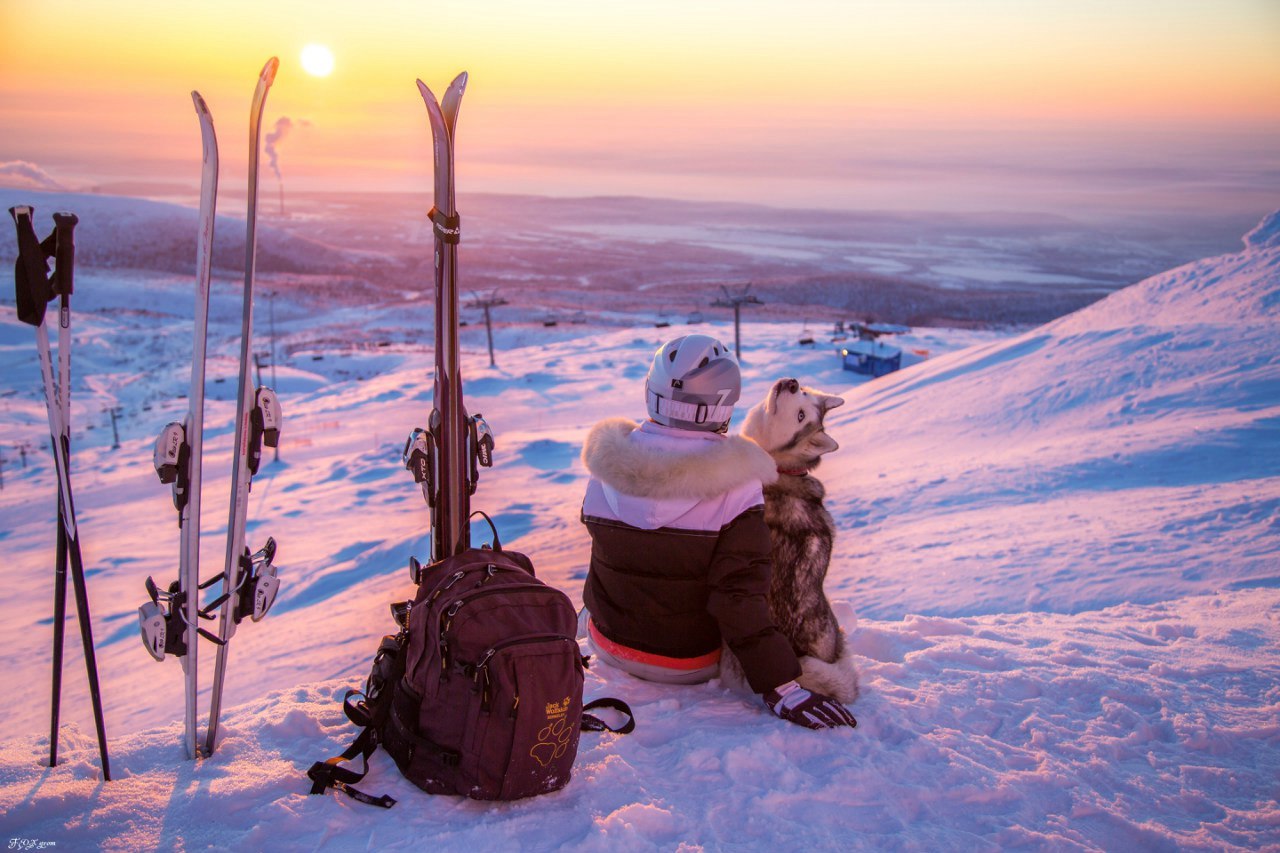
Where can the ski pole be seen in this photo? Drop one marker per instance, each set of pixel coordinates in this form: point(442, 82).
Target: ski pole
point(35, 289)
point(59, 624)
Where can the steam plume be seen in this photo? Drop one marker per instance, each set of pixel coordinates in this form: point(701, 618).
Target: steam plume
point(283, 125)
point(24, 175)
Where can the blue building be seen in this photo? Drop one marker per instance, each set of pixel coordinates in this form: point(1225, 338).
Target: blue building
point(871, 358)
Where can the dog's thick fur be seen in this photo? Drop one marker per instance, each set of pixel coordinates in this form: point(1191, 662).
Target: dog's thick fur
point(788, 425)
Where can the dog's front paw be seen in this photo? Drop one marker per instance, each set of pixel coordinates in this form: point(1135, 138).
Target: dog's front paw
point(838, 680)
point(845, 615)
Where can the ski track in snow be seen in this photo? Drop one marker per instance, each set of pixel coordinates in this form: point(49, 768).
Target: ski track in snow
point(1058, 566)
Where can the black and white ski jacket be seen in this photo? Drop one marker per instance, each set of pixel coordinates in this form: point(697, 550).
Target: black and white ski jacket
point(680, 553)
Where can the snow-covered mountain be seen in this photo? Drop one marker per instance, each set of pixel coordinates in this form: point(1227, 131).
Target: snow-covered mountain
point(1058, 564)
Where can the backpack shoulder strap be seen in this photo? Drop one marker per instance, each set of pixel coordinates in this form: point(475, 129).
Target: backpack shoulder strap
point(592, 723)
point(331, 774)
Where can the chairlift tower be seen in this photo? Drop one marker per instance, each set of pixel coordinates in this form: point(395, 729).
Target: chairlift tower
point(114, 412)
point(271, 303)
point(493, 300)
point(736, 301)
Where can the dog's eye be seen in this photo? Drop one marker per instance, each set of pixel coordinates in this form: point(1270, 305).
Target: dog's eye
point(800, 416)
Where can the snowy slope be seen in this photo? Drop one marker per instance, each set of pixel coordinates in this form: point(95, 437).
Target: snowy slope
point(1057, 560)
point(1132, 449)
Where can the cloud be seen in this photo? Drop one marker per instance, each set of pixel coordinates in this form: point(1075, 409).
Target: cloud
point(19, 174)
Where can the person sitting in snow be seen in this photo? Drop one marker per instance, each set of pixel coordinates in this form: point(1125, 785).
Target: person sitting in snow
point(680, 553)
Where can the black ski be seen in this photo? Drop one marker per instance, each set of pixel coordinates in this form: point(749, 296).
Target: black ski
point(444, 457)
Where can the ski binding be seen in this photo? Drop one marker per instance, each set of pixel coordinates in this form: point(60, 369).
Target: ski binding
point(259, 584)
point(420, 458)
point(163, 626)
point(172, 461)
point(265, 426)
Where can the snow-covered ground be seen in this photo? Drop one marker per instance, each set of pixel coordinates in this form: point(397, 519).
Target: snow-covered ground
point(1058, 565)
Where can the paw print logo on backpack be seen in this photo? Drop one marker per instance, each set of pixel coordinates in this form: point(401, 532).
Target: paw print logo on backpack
point(553, 738)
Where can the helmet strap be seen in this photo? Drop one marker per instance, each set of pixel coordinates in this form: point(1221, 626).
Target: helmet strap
point(698, 413)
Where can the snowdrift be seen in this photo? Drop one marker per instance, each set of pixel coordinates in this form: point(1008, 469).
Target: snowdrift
point(1057, 565)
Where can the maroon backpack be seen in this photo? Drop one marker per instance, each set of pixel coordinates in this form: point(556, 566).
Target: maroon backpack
point(480, 692)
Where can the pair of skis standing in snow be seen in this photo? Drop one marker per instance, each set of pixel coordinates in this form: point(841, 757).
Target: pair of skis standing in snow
point(170, 620)
point(445, 457)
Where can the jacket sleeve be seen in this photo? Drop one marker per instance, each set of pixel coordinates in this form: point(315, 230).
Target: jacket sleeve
point(739, 587)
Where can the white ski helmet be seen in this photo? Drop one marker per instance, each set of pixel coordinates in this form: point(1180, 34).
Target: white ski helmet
point(693, 384)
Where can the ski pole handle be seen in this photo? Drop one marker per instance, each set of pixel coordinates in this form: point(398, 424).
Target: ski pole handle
point(64, 258)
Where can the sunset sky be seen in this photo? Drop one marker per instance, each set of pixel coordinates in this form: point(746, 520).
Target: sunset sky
point(1113, 105)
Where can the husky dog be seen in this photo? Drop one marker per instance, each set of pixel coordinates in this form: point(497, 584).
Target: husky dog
point(789, 426)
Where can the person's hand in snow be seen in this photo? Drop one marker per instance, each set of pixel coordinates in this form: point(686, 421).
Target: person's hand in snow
point(795, 704)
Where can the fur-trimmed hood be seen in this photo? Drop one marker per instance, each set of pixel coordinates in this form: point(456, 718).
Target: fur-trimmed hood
point(660, 462)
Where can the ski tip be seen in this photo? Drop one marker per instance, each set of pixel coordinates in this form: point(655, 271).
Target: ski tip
point(427, 94)
point(460, 81)
point(198, 100)
point(268, 75)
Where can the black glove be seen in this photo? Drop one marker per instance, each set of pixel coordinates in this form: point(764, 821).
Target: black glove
point(803, 707)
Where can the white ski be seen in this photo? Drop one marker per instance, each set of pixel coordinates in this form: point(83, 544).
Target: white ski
point(178, 457)
point(248, 582)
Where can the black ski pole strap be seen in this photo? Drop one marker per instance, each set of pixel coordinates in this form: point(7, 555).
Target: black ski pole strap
point(331, 774)
point(496, 545)
point(447, 228)
point(592, 723)
point(31, 269)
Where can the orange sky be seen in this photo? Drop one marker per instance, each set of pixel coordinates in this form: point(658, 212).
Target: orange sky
point(833, 103)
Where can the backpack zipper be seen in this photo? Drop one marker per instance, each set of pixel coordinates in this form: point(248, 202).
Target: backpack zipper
point(481, 676)
point(444, 620)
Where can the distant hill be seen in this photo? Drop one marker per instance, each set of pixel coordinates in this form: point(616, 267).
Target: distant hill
point(117, 233)
point(594, 255)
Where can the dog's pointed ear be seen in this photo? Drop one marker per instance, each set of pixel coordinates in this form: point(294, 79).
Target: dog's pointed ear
point(823, 442)
point(790, 386)
point(828, 402)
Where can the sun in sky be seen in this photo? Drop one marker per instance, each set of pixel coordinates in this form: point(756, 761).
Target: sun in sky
point(317, 60)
